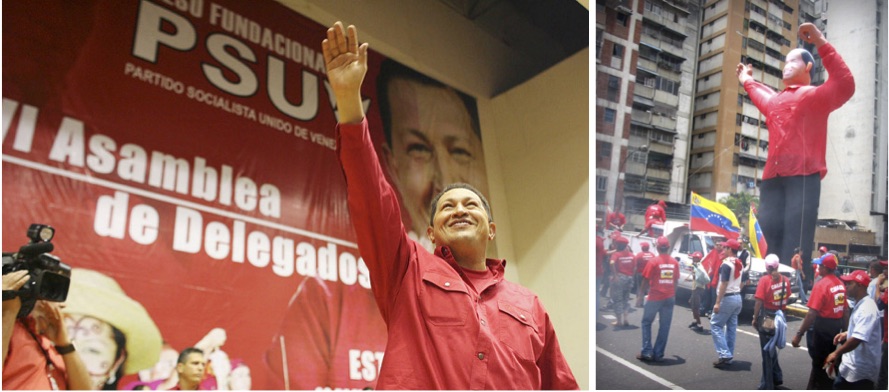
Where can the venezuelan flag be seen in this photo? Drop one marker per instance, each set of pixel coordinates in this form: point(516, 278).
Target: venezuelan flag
point(757, 240)
point(709, 215)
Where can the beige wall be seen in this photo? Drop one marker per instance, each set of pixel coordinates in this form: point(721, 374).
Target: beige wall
point(535, 139)
point(542, 133)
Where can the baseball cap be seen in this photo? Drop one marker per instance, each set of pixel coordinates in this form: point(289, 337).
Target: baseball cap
point(829, 261)
point(661, 203)
point(772, 261)
point(644, 245)
point(732, 243)
point(663, 242)
point(697, 254)
point(857, 276)
point(622, 240)
point(822, 249)
point(883, 263)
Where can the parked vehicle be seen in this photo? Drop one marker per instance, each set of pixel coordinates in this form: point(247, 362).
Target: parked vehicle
point(684, 242)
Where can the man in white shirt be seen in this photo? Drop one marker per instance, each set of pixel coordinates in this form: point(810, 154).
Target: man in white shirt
point(860, 364)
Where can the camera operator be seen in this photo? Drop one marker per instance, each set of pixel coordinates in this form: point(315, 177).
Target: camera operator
point(37, 353)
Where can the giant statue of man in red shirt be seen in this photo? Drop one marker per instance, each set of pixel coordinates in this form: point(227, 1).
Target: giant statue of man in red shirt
point(797, 118)
point(453, 321)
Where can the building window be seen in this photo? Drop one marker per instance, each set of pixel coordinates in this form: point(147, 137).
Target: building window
point(599, 38)
point(613, 88)
point(618, 51)
point(609, 115)
point(622, 18)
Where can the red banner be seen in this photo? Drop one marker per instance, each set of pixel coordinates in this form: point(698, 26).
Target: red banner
point(186, 150)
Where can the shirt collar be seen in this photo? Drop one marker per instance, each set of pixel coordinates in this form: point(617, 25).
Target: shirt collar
point(498, 266)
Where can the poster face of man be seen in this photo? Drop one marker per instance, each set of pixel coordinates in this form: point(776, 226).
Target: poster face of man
point(433, 145)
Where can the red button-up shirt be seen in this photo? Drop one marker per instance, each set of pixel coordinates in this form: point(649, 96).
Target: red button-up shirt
point(797, 118)
point(443, 333)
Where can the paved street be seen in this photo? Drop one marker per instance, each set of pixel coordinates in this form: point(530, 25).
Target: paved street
point(688, 361)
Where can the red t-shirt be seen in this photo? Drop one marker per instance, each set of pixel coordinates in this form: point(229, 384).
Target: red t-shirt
point(623, 260)
point(655, 213)
point(796, 263)
point(828, 297)
point(771, 294)
point(662, 273)
point(642, 259)
point(617, 219)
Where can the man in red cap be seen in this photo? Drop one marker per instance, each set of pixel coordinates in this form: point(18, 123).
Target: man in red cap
point(861, 350)
point(622, 269)
point(827, 306)
point(661, 274)
point(699, 279)
point(654, 214)
point(641, 260)
point(724, 320)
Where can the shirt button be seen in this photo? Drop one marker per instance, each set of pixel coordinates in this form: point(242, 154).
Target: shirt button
point(484, 323)
point(481, 356)
point(447, 284)
point(522, 316)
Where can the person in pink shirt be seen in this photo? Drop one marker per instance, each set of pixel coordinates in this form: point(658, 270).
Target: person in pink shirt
point(452, 319)
point(797, 120)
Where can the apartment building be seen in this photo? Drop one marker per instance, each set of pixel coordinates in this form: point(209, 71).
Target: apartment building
point(730, 141)
point(644, 95)
point(853, 194)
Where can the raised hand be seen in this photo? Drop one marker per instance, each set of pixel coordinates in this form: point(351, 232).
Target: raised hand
point(745, 72)
point(809, 33)
point(346, 63)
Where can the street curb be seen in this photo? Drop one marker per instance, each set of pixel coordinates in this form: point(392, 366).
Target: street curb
point(797, 310)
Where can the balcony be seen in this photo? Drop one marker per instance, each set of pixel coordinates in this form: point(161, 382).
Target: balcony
point(641, 117)
point(757, 17)
point(657, 147)
point(667, 23)
point(663, 122)
point(644, 91)
point(650, 65)
point(666, 98)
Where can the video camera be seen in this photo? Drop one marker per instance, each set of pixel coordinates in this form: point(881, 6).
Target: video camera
point(50, 277)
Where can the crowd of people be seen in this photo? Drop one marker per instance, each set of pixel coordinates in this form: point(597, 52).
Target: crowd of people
point(843, 328)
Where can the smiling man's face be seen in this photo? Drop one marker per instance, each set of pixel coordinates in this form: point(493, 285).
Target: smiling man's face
point(460, 218)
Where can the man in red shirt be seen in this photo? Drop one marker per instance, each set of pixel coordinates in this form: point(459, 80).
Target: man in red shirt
point(654, 214)
point(827, 307)
point(641, 260)
point(623, 266)
point(190, 368)
point(37, 351)
point(661, 274)
point(615, 220)
point(771, 296)
point(453, 321)
point(797, 118)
